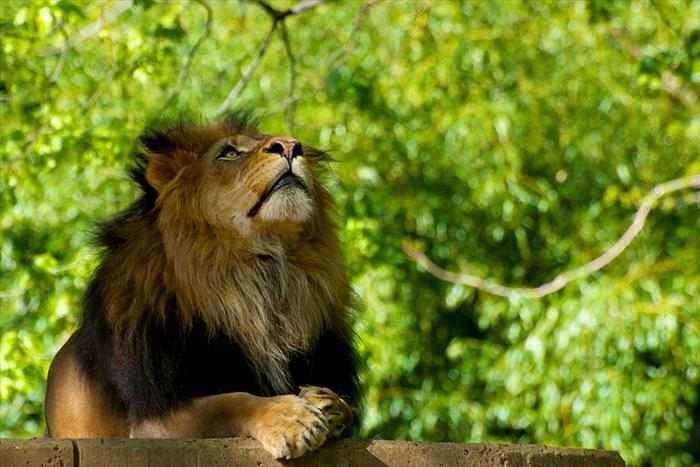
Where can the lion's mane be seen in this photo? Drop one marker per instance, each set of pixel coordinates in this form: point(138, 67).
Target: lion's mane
point(273, 299)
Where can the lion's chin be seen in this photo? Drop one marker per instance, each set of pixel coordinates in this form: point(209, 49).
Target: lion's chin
point(289, 204)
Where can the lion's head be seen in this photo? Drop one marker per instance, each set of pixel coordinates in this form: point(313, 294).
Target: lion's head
point(233, 229)
point(234, 179)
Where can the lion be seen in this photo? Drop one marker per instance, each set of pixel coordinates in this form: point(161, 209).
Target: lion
point(221, 304)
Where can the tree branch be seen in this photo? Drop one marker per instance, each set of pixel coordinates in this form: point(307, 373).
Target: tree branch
point(248, 73)
point(303, 6)
point(51, 81)
point(55, 74)
point(665, 19)
point(277, 16)
point(335, 59)
point(94, 28)
point(670, 84)
point(269, 9)
point(185, 72)
point(291, 101)
point(562, 280)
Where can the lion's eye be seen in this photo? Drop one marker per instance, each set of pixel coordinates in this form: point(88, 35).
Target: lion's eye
point(229, 153)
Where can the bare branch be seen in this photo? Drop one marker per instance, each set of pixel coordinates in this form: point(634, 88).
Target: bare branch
point(333, 62)
point(94, 28)
point(303, 6)
point(51, 81)
point(55, 74)
point(104, 84)
point(15, 34)
point(291, 101)
point(269, 9)
point(673, 86)
point(277, 16)
point(670, 84)
point(185, 72)
point(647, 204)
point(665, 19)
point(248, 74)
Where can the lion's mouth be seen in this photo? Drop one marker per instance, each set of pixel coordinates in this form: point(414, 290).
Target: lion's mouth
point(288, 178)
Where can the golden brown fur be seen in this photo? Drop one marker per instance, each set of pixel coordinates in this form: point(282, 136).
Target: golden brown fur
point(223, 246)
point(218, 273)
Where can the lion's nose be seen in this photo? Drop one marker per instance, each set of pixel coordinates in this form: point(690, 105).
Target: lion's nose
point(286, 147)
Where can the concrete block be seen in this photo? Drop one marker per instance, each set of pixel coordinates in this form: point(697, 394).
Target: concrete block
point(36, 453)
point(235, 452)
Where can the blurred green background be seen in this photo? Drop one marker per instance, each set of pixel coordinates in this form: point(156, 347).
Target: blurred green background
point(512, 139)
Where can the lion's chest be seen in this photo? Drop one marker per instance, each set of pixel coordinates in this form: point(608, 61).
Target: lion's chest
point(165, 368)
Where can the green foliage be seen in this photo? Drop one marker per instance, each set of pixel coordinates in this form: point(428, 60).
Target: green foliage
point(511, 139)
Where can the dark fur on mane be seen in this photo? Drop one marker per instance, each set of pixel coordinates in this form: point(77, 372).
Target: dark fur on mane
point(158, 136)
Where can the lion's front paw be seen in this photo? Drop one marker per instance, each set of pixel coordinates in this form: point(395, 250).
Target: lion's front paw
point(337, 412)
point(290, 426)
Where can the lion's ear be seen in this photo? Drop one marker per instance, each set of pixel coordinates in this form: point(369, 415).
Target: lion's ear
point(160, 170)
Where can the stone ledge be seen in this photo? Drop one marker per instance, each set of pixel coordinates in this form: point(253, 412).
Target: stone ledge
point(234, 452)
